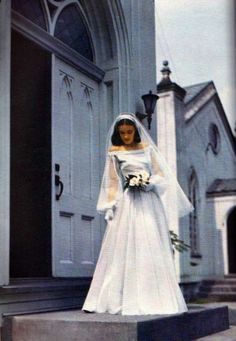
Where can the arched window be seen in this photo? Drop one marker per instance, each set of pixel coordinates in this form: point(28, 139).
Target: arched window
point(194, 226)
point(70, 26)
point(32, 10)
point(71, 29)
point(214, 138)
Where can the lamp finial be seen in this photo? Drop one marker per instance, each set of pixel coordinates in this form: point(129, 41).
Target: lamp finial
point(166, 71)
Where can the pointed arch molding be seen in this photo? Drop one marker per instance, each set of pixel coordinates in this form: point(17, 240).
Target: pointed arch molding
point(106, 25)
point(68, 55)
point(36, 13)
point(109, 30)
point(112, 46)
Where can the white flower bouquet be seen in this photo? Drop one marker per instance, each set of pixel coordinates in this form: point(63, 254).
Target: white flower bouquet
point(137, 180)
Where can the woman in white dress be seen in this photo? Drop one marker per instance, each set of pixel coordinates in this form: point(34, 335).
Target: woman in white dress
point(135, 273)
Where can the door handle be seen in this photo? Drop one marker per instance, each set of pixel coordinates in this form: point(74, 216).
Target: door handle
point(59, 183)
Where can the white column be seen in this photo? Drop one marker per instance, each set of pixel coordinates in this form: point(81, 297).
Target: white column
point(140, 24)
point(166, 128)
point(5, 48)
point(167, 144)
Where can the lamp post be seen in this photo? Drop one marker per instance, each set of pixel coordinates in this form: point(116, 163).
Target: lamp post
point(149, 101)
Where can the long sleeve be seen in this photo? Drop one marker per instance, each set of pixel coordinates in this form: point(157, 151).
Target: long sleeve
point(111, 187)
point(166, 185)
point(157, 179)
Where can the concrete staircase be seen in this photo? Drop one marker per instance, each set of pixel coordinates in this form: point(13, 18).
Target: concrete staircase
point(24, 295)
point(77, 325)
point(219, 290)
point(212, 319)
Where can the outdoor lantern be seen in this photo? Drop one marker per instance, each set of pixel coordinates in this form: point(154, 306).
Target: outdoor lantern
point(149, 101)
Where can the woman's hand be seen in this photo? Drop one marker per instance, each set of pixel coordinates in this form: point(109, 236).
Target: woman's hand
point(148, 187)
point(109, 214)
point(157, 183)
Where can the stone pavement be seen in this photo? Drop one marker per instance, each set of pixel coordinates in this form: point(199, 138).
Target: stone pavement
point(76, 325)
point(231, 307)
point(227, 335)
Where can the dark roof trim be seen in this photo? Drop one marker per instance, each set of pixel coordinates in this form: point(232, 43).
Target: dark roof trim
point(221, 194)
point(199, 88)
point(199, 100)
point(170, 86)
point(225, 121)
point(215, 97)
point(222, 187)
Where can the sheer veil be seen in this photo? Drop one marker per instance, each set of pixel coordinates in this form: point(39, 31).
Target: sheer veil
point(166, 182)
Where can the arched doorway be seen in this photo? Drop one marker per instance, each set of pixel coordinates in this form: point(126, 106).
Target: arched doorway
point(82, 50)
point(231, 239)
point(54, 134)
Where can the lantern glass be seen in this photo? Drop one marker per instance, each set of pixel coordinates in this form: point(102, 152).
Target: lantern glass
point(149, 102)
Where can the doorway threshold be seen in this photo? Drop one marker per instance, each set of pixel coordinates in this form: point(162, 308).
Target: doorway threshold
point(45, 281)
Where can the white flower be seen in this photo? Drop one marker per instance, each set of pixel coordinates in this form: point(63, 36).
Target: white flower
point(145, 176)
point(134, 181)
point(138, 179)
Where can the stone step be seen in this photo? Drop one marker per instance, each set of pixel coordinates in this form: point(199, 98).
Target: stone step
point(218, 296)
point(229, 281)
point(37, 295)
point(22, 285)
point(218, 287)
point(77, 325)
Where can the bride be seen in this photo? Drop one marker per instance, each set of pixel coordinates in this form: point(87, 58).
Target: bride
point(135, 272)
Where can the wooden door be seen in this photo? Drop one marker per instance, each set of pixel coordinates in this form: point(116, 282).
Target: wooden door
point(75, 164)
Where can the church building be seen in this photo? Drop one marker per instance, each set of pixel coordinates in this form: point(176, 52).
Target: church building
point(67, 68)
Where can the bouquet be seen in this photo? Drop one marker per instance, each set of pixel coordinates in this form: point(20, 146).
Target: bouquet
point(137, 180)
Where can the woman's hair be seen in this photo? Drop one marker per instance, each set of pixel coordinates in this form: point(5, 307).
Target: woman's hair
point(116, 139)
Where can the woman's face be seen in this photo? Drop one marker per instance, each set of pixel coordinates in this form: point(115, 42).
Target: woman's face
point(127, 133)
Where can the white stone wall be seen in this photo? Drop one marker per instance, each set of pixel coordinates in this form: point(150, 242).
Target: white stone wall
point(208, 167)
point(169, 127)
point(140, 21)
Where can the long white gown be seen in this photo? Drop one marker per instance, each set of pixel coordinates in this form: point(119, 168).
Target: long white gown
point(135, 273)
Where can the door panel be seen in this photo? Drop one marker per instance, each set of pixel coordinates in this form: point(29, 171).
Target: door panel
point(75, 151)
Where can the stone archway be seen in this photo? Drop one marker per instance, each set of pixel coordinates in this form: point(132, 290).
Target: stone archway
point(111, 41)
point(231, 240)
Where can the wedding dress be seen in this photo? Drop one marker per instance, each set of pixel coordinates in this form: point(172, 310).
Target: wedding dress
point(135, 273)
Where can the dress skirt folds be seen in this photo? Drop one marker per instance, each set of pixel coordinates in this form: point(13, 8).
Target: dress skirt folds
point(135, 273)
